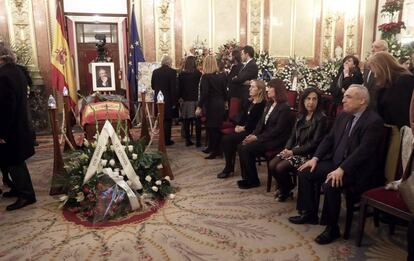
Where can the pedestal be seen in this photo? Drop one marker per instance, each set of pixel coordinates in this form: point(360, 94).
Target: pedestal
point(166, 169)
point(58, 170)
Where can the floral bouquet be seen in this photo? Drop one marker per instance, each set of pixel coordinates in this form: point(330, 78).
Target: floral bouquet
point(392, 6)
point(224, 52)
point(389, 30)
point(113, 188)
point(267, 66)
point(199, 50)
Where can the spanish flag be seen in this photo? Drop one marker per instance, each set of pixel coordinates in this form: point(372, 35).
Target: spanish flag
point(61, 61)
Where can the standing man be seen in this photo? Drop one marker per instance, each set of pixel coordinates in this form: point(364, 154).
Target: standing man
point(16, 141)
point(248, 72)
point(346, 157)
point(164, 79)
point(369, 77)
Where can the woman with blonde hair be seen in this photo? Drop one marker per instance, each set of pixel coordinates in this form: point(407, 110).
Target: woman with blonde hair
point(213, 95)
point(244, 127)
point(395, 86)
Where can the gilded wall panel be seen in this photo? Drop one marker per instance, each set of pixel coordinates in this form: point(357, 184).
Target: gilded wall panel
point(255, 24)
point(164, 24)
point(226, 21)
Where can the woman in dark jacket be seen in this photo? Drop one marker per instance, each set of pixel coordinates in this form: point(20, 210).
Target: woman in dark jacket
point(246, 126)
point(349, 73)
point(188, 81)
point(309, 130)
point(234, 70)
point(213, 95)
point(271, 133)
point(395, 87)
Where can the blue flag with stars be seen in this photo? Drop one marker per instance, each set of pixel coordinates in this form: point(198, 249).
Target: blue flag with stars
point(135, 56)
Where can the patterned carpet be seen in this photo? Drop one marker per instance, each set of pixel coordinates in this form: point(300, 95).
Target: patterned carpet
point(210, 219)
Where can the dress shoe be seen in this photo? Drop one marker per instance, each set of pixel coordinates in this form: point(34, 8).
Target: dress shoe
point(169, 143)
point(328, 235)
point(206, 150)
point(282, 197)
point(20, 203)
point(198, 144)
point(224, 175)
point(249, 185)
point(304, 218)
point(189, 143)
point(10, 194)
point(212, 156)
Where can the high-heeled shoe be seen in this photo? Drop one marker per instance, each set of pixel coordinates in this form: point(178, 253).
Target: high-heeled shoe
point(224, 175)
point(206, 150)
point(212, 156)
point(282, 197)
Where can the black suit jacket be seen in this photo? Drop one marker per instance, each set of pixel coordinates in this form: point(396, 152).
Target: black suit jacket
point(370, 83)
point(246, 73)
point(14, 124)
point(361, 163)
point(99, 82)
point(164, 79)
point(275, 133)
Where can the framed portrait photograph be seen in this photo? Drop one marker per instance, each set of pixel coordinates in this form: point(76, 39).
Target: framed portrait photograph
point(103, 77)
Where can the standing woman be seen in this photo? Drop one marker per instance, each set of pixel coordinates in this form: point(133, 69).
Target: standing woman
point(188, 81)
point(213, 95)
point(236, 66)
point(246, 126)
point(348, 74)
point(307, 133)
point(395, 88)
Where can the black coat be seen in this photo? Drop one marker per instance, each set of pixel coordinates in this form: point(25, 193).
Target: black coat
point(213, 94)
point(394, 101)
point(164, 79)
point(253, 115)
point(188, 85)
point(14, 128)
point(246, 73)
point(340, 82)
point(233, 88)
point(275, 133)
point(370, 83)
point(361, 163)
point(305, 138)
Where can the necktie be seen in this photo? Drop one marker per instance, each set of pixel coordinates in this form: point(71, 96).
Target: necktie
point(340, 151)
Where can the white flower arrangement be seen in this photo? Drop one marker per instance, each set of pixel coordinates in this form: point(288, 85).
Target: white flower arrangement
point(267, 66)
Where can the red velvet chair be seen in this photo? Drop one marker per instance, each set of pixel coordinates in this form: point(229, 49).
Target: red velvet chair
point(388, 201)
point(292, 99)
point(234, 110)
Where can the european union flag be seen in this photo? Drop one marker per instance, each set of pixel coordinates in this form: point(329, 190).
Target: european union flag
point(135, 56)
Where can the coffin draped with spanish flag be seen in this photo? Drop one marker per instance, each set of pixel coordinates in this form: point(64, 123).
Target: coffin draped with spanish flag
point(104, 110)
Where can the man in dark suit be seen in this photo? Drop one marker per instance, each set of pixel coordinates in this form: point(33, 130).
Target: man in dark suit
point(369, 77)
point(347, 156)
point(16, 142)
point(248, 72)
point(164, 79)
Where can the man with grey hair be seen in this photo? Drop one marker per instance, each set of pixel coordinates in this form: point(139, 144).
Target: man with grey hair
point(16, 142)
point(369, 77)
point(347, 156)
point(164, 80)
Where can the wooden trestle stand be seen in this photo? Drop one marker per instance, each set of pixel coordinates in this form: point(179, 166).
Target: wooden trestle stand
point(58, 170)
point(144, 119)
point(166, 169)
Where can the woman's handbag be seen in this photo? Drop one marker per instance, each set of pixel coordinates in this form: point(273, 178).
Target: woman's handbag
point(406, 187)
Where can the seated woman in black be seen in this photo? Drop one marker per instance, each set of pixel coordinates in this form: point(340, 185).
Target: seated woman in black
point(349, 73)
point(245, 126)
point(271, 133)
point(309, 129)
